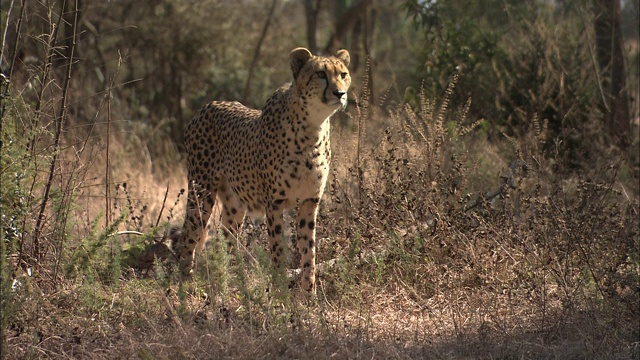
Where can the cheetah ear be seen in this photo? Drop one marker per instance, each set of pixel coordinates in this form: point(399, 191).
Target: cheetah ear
point(299, 57)
point(343, 55)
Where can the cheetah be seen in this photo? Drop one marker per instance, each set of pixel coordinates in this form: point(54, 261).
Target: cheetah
point(265, 162)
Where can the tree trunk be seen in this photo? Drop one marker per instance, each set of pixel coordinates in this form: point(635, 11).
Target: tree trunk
point(312, 8)
point(355, 48)
point(611, 62)
point(345, 22)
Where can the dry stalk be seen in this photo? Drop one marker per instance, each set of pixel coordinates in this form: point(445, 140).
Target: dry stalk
point(50, 49)
point(362, 108)
point(107, 194)
point(7, 80)
point(58, 135)
point(164, 202)
point(107, 176)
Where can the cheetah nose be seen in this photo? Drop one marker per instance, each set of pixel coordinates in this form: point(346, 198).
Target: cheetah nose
point(339, 94)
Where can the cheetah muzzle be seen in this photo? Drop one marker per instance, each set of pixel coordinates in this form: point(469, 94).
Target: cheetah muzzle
point(265, 162)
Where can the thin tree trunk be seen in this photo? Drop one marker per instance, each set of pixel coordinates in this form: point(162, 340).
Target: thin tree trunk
point(344, 23)
point(355, 47)
point(256, 53)
point(312, 8)
point(611, 61)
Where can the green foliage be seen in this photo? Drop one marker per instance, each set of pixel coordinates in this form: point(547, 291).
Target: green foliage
point(7, 299)
point(518, 61)
point(461, 37)
point(217, 266)
point(99, 254)
point(15, 173)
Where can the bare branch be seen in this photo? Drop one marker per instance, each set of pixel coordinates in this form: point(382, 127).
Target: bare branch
point(58, 135)
point(256, 53)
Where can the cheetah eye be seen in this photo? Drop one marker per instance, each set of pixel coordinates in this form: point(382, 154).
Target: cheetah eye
point(321, 74)
point(343, 75)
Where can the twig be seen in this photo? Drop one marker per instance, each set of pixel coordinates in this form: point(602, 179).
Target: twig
point(58, 135)
point(6, 78)
point(4, 38)
point(128, 232)
point(624, 192)
point(107, 177)
point(46, 71)
point(13, 57)
point(514, 173)
point(107, 187)
point(256, 52)
point(65, 208)
point(593, 59)
point(51, 45)
point(164, 201)
point(6, 81)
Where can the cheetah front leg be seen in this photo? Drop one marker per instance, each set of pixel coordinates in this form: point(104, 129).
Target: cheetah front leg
point(275, 224)
point(199, 204)
point(306, 219)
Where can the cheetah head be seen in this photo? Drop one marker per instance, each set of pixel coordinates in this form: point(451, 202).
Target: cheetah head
point(322, 81)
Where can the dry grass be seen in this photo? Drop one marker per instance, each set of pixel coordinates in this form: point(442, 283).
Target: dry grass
point(436, 241)
point(425, 267)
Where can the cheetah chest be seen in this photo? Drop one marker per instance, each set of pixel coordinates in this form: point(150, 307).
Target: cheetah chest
point(302, 174)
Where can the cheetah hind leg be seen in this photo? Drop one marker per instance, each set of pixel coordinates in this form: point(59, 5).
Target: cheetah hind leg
point(194, 232)
point(233, 213)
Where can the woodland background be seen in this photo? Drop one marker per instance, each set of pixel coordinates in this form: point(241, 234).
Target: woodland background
point(483, 201)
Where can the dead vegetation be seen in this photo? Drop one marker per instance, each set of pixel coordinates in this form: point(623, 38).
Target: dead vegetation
point(438, 240)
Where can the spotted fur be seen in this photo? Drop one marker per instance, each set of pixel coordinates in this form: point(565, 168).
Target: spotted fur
point(266, 161)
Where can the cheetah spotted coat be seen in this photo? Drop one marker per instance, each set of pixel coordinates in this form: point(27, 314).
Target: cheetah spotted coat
point(266, 161)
